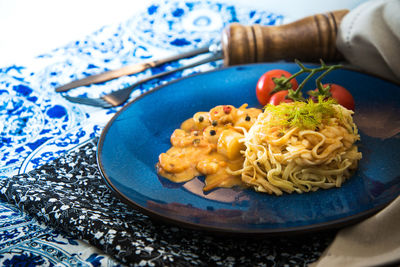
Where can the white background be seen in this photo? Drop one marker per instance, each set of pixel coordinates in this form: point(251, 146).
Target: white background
point(29, 28)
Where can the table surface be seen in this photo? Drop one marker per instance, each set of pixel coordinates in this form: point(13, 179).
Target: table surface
point(42, 44)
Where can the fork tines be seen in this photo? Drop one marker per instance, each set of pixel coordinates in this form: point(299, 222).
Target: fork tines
point(97, 102)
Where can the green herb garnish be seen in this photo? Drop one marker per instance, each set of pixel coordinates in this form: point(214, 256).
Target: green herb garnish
point(305, 115)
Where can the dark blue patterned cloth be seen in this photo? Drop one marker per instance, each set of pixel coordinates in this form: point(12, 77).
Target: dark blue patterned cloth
point(68, 194)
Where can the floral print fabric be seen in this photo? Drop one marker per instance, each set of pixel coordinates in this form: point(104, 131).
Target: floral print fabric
point(70, 195)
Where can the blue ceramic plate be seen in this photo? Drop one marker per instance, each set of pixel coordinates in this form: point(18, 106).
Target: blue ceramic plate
point(131, 142)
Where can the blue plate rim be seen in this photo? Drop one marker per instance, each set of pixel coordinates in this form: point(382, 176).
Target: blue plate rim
point(328, 225)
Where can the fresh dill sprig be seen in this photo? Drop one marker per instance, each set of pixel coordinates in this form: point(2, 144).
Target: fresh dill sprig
point(305, 115)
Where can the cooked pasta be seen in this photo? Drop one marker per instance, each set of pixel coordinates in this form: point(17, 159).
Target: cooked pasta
point(300, 147)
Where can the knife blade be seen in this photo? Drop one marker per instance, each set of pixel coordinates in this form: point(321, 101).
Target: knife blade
point(132, 69)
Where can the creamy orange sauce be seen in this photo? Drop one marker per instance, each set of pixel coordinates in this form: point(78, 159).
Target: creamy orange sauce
point(207, 144)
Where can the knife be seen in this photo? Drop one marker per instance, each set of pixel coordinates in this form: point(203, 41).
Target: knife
point(136, 68)
point(309, 39)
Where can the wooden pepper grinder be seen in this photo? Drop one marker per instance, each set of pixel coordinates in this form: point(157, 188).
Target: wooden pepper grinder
point(309, 39)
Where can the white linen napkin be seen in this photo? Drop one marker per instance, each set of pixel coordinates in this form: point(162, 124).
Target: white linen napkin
point(373, 242)
point(369, 38)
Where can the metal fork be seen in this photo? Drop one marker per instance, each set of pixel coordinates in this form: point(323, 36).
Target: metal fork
point(119, 97)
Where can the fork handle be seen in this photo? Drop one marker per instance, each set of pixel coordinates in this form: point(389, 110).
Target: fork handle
point(309, 39)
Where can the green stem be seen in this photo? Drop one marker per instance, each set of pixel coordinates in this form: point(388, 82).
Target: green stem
point(321, 89)
point(283, 85)
point(302, 70)
point(296, 94)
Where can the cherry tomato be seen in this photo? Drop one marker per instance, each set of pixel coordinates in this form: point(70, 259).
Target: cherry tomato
point(342, 95)
point(265, 84)
point(279, 97)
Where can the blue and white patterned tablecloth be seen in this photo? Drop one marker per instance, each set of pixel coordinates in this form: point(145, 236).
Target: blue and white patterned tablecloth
point(37, 125)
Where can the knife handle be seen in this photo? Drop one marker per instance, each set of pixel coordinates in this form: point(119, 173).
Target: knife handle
point(309, 39)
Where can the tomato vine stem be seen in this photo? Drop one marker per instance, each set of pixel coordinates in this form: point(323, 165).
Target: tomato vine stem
point(296, 94)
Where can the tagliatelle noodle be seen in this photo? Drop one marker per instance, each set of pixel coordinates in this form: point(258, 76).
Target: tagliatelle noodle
point(282, 158)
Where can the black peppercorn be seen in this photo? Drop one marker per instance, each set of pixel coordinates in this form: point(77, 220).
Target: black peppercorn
point(214, 123)
point(212, 132)
point(247, 118)
point(201, 118)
